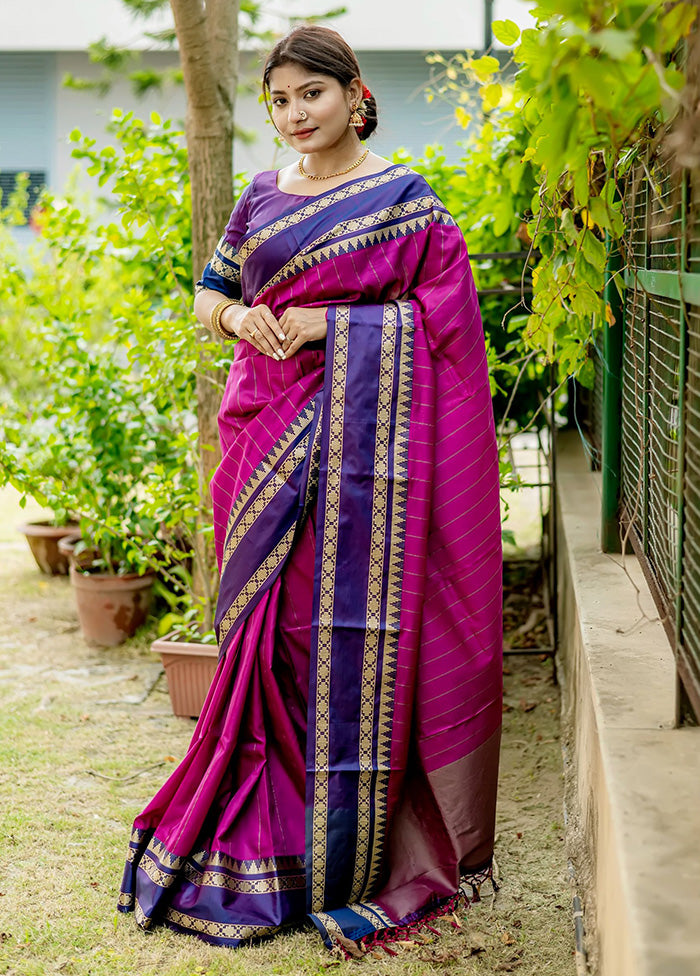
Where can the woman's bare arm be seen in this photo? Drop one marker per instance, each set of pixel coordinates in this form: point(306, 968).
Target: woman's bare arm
point(206, 300)
point(257, 325)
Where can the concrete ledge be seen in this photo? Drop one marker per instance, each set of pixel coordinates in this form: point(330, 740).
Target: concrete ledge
point(633, 788)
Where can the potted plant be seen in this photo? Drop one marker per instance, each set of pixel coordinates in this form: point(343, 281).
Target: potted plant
point(43, 537)
point(113, 365)
point(189, 658)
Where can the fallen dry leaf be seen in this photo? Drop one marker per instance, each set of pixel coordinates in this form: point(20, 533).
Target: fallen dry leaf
point(527, 706)
point(350, 947)
point(441, 958)
point(507, 967)
point(477, 942)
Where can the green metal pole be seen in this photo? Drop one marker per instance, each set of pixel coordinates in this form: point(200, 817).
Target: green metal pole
point(612, 402)
point(488, 24)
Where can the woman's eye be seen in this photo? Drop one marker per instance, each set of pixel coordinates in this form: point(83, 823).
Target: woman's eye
point(278, 101)
point(313, 93)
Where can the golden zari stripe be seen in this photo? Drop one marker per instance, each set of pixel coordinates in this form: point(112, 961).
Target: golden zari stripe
point(266, 497)
point(155, 874)
point(257, 866)
point(244, 886)
point(164, 856)
point(218, 930)
point(372, 913)
point(258, 579)
point(356, 225)
point(141, 918)
point(224, 261)
point(312, 256)
point(375, 586)
point(325, 613)
point(373, 907)
point(137, 835)
point(314, 468)
point(315, 207)
point(269, 462)
point(331, 926)
point(225, 270)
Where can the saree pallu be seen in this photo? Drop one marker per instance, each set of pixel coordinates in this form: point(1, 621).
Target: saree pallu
point(344, 766)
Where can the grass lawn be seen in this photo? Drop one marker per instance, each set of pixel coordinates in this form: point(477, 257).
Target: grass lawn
point(83, 747)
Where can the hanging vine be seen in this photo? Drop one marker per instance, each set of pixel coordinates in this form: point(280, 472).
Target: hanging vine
point(583, 95)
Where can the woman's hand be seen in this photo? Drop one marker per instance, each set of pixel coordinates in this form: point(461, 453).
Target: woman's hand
point(302, 325)
point(258, 326)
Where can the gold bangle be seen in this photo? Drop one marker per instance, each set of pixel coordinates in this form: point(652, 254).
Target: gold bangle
point(215, 319)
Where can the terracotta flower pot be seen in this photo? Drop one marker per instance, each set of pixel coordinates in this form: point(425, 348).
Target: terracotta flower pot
point(43, 539)
point(83, 560)
point(111, 608)
point(189, 669)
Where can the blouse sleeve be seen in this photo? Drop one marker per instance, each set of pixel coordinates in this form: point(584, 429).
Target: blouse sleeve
point(223, 272)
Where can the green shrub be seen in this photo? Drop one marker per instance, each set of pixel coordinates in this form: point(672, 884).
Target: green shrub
point(105, 427)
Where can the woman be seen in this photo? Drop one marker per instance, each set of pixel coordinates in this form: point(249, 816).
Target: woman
point(344, 765)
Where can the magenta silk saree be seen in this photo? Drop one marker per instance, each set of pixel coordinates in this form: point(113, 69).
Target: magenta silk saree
point(344, 766)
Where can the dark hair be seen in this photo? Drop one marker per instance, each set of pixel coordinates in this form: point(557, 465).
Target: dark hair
point(321, 50)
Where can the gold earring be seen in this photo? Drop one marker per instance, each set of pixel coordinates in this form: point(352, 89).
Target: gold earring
point(356, 119)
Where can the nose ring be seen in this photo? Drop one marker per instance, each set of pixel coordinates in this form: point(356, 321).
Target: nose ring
point(303, 116)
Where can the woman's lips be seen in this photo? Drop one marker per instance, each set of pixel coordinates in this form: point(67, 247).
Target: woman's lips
point(303, 133)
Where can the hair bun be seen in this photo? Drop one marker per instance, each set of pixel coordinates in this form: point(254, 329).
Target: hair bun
point(369, 111)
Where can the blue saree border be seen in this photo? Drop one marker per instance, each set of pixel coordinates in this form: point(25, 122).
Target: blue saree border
point(200, 894)
point(361, 524)
point(264, 520)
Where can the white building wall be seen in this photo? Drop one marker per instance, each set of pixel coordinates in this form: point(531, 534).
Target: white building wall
point(37, 112)
point(72, 25)
point(90, 112)
point(369, 25)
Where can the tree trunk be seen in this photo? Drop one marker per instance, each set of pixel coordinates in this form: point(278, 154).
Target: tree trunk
point(207, 34)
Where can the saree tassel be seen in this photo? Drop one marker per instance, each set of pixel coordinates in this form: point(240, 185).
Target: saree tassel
point(413, 931)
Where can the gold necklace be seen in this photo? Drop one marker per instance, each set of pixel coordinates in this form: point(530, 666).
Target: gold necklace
point(330, 176)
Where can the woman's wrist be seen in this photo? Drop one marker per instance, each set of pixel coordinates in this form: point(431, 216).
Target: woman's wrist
point(231, 317)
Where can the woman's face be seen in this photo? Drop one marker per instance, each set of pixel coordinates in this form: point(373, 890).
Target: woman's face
point(310, 110)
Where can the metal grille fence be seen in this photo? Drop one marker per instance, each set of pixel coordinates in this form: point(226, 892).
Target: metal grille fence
point(659, 464)
point(634, 402)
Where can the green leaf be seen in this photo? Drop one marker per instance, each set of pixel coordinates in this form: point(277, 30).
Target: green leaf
point(677, 21)
point(619, 44)
point(599, 212)
point(529, 50)
point(491, 96)
point(506, 31)
point(484, 67)
point(586, 374)
point(594, 250)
